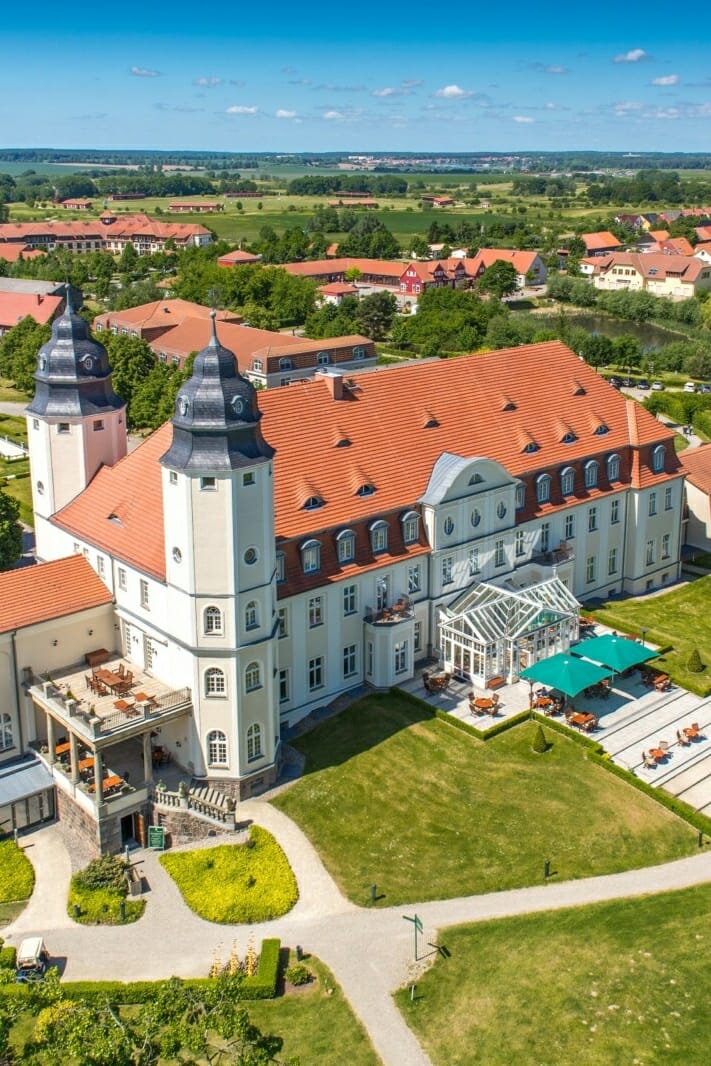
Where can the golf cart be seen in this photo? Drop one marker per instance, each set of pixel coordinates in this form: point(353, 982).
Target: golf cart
point(32, 959)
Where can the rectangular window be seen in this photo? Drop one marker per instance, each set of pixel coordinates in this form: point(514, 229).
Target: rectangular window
point(35, 423)
point(283, 686)
point(311, 558)
point(63, 427)
point(283, 625)
point(400, 657)
point(652, 503)
point(473, 562)
point(100, 567)
point(520, 549)
point(350, 599)
point(592, 519)
point(144, 594)
point(280, 567)
point(447, 565)
point(316, 673)
point(315, 611)
point(612, 562)
point(650, 552)
point(122, 578)
point(413, 578)
point(417, 641)
point(666, 546)
point(614, 512)
point(545, 536)
point(248, 478)
point(349, 660)
point(499, 555)
point(208, 483)
point(570, 527)
point(173, 477)
point(668, 498)
point(98, 424)
point(590, 568)
point(369, 658)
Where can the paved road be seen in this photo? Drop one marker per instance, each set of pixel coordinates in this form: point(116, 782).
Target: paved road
point(370, 951)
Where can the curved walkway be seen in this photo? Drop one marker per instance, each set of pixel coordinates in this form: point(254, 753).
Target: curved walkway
point(370, 952)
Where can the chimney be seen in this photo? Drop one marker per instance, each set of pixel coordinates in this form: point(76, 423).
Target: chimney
point(334, 382)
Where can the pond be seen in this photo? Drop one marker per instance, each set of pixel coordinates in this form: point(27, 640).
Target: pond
point(650, 337)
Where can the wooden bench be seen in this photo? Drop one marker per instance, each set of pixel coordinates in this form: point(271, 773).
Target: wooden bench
point(96, 658)
point(496, 682)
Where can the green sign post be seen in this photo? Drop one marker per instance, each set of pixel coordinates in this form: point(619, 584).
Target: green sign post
point(417, 925)
point(156, 837)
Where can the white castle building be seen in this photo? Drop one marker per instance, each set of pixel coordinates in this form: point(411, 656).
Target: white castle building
point(261, 554)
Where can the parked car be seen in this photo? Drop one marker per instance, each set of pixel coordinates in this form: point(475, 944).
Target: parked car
point(615, 382)
point(32, 959)
point(643, 384)
point(689, 387)
point(657, 386)
point(705, 388)
point(628, 383)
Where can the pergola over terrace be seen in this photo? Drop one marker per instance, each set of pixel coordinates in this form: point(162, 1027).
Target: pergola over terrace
point(495, 631)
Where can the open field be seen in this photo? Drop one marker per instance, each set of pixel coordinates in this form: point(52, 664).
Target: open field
point(394, 797)
point(679, 617)
point(621, 982)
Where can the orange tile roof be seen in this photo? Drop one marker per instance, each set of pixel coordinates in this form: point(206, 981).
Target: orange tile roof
point(384, 417)
point(697, 465)
point(338, 288)
point(164, 314)
point(49, 590)
point(657, 266)
point(601, 239)
point(297, 346)
point(11, 251)
point(317, 267)
point(14, 306)
point(194, 333)
point(237, 256)
point(486, 257)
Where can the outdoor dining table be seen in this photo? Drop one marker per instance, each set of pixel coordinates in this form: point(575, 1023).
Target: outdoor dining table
point(108, 784)
point(85, 764)
point(112, 681)
point(658, 753)
point(62, 749)
point(582, 721)
point(691, 732)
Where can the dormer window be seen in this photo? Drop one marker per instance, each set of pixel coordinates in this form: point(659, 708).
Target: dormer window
point(659, 456)
point(613, 467)
point(601, 430)
point(313, 503)
point(366, 489)
point(379, 536)
point(411, 527)
point(568, 438)
point(531, 447)
point(346, 543)
point(323, 359)
point(311, 556)
point(257, 365)
point(285, 364)
point(476, 479)
point(359, 352)
point(591, 474)
point(543, 488)
point(567, 481)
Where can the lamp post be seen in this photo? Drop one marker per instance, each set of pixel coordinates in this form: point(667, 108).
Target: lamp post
point(643, 631)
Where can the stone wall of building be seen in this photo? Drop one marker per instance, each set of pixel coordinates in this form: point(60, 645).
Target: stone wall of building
point(183, 827)
point(76, 822)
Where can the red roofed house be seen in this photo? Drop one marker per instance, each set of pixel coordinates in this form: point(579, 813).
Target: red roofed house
point(145, 234)
point(266, 552)
point(530, 268)
point(678, 277)
point(13, 252)
point(81, 204)
point(601, 243)
point(14, 306)
point(336, 291)
point(696, 463)
point(196, 207)
point(238, 258)
point(438, 201)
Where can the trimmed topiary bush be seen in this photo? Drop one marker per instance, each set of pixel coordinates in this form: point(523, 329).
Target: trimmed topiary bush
point(540, 744)
point(694, 665)
point(298, 974)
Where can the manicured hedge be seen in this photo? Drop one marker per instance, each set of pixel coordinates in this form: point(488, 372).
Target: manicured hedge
point(263, 984)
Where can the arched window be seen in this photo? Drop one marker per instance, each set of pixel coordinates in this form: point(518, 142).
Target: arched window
point(254, 742)
point(567, 481)
point(366, 489)
point(613, 467)
point(323, 359)
point(216, 748)
point(252, 677)
point(251, 615)
point(591, 474)
point(214, 682)
point(213, 620)
point(311, 556)
point(346, 546)
point(6, 737)
point(313, 503)
point(543, 488)
point(410, 527)
point(358, 352)
point(659, 456)
point(379, 536)
point(257, 365)
point(285, 364)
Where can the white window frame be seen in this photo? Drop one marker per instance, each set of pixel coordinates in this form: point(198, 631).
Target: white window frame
point(591, 472)
point(251, 615)
point(315, 607)
point(614, 512)
point(350, 661)
point(212, 621)
point(311, 556)
point(567, 481)
point(411, 527)
point(350, 600)
point(520, 543)
point(447, 569)
point(414, 579)
point(652, 504)
point(659, 458)
point(316, 673)
point(400, 656)
point(570, 527)
point(379, 536)
point(215, 683)
point(346, 543)
point(254, 742)
point(145, 594)
point(668, 504)
point(217, 750)
point(543, 488)
point(592, 519)
point(7, 738)
point(252, 676)
point(613, 467)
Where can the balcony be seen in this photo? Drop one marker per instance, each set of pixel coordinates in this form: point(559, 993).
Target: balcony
point(565, 553)
point(401, 611)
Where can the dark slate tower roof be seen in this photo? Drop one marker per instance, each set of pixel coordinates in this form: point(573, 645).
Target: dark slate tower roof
point(73, 374)
point(216, 421)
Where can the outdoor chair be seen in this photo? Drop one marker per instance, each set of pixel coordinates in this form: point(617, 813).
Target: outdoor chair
point(648, 762)
point(121, 670)
point(683, 741)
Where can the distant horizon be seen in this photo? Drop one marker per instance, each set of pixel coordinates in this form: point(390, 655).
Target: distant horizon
point(342, 152)
point(286, 80)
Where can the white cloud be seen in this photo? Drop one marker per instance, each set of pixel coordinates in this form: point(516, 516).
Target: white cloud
point(144, 72)
point(668, 79)
point(389, 90)
point(624, 107)
point(282, 113)
point(412, 83)
point(334, 116)
point(523, 119)
point(207, 83)
point(666, 113)
point(452, 92)
point(240, 109)
point(635, 55)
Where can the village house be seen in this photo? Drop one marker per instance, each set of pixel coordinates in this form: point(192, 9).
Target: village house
point(238, 258)
point(108, 234)
point(14, 306)
point(696, 463)
point(600, 243)
point(196, 207)
point(677, 277)
point(80, 204)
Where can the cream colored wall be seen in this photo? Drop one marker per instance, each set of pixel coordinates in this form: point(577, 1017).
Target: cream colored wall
point(698, 530)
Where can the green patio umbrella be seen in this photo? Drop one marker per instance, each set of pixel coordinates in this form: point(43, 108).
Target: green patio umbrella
point(566, 672)
point(616, 652)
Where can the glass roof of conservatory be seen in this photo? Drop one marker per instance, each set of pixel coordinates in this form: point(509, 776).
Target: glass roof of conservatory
point(488, 612)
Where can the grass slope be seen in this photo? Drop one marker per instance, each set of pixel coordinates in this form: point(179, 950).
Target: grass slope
point(622, 982)
point(17, 879)
point(394, 797)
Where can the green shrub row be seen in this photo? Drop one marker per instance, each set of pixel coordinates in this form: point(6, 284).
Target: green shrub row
point(263, 984)
point(8, 958)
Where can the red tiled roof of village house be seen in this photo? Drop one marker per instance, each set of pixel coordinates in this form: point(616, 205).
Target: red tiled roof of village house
point(12, 251)
point(703, 233)
point(142, 225)
point(486, 257)
point(659, 234)
point(297, 347)
point(126, 226)
point(676, 246)
point(338, 288)
point(77, 201)
point(160, 313)
point(385, 418)
point(238, 256)
point(601, 239)
point(40, 593)
point(15, 306)
point(315, 267)
point(192, 334)
point(77, 229)
point(697, 466)
point(651, 265)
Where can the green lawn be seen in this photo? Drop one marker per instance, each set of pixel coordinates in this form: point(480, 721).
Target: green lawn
point(680, 618)
point(21, 490)
point(9, 394)
point(623, 982)
point(251, 882)
point(396, 798)
point(17, 879)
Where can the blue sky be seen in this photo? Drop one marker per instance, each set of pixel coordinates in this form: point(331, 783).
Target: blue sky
point(416, 77)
